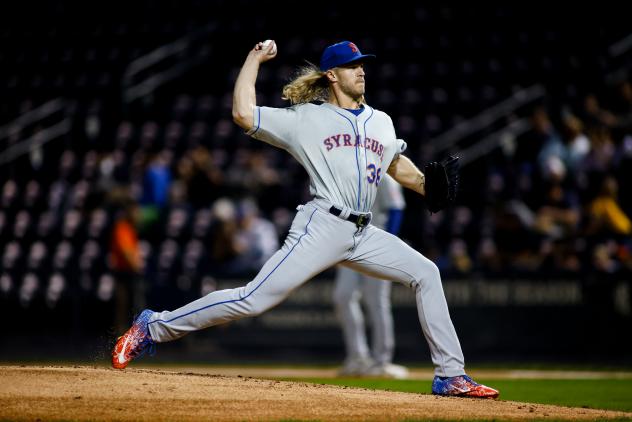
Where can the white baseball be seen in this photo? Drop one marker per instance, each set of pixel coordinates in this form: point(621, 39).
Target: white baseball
point(266, 44)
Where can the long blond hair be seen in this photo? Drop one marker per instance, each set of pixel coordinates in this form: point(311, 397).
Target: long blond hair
point(309, 84)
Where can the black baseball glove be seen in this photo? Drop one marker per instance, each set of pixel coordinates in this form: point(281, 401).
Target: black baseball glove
point(442, 181)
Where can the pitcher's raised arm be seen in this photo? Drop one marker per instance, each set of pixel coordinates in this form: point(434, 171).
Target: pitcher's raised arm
point(244, 94)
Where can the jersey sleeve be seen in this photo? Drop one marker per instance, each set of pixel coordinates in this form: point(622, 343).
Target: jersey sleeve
point(400, 146)
point(395, 146)
point(275, 126)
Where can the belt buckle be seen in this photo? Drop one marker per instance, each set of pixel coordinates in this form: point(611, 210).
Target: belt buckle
point(363, 220)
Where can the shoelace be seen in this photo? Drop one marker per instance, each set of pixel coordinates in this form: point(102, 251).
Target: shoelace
point(470, 380)
point(145, 346)
point(459, 382)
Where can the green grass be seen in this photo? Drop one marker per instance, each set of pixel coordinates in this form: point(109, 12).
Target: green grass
point(612, 394)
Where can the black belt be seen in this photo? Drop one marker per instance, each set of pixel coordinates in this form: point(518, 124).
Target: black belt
point(360, 220)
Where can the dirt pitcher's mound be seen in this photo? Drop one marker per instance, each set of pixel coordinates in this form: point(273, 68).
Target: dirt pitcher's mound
point(85, 393)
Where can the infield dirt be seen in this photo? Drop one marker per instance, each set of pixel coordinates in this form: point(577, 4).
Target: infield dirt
point(95, 393)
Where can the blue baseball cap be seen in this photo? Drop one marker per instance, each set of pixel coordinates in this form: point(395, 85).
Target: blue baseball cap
point(340, 54)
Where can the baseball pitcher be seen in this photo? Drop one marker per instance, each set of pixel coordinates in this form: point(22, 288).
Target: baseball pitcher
point(346, 146)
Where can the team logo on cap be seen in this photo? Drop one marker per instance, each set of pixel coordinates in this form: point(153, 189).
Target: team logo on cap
point(353, 47)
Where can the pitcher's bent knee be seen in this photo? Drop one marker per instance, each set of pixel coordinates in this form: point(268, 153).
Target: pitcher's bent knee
point(427, 273)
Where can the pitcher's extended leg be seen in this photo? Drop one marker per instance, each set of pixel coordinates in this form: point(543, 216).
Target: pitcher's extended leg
point(382, 255)
point(310, 247)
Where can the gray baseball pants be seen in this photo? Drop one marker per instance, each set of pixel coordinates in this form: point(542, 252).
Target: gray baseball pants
point(318, 240)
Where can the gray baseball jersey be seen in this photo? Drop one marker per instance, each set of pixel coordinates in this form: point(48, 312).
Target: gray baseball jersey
point(346, 157)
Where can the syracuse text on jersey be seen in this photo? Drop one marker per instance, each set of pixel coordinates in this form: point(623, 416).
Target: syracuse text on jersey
point(344, 140)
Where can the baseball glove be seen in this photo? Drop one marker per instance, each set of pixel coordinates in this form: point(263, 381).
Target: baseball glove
point(442, 181)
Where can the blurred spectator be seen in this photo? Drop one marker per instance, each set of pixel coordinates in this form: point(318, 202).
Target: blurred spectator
point(554, 159)
point(558, 215)
point(457, 261)
point(259, 174)
point(603, 258)
point(559, 256)
point(242, 241)
point(253, 173)
point(488, 258)
point(126, 264)
point(223, 232)
point(256, 237)
point(605, 214)
point(602, 151)
point(156, 180)
point(575, 141)
point(113, 170)
point(541, 135)
point(595, 115)
point(156, 183)
point(512, 221)
point(203, 180)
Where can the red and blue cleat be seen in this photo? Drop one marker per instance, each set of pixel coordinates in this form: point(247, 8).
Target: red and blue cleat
point(462, 386)
point(134, 343)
